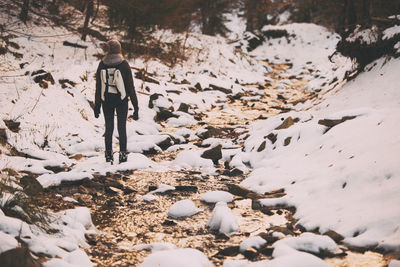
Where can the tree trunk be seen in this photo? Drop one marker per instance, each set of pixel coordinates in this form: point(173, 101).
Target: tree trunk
point(366, 11)
point(89, 13)
point(351, 14)
point(24, 12)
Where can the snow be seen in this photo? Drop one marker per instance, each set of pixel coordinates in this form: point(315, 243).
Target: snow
point(394, 263)
point(223, 219)
point(346, 179)
point(252, 242)
point(183, 208)
point(150, 198)
point(162, 188)
point(192, 159)
point(177, 258)
point(390, 32)
point(7, 242)
point(217, 196)
point(309, 242)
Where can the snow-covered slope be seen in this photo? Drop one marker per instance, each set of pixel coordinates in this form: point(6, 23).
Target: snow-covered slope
point(345, 178)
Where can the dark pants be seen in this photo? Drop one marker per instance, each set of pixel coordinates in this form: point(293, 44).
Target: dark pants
point(122, 113)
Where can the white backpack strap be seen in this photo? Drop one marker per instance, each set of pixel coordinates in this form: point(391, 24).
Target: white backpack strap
point(119, 82)
point(103, 78)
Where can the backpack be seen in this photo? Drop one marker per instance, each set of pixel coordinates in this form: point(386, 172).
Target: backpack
point(112, 86)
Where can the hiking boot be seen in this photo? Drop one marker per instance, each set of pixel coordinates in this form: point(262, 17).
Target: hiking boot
point(109, 157)
point(123, 156)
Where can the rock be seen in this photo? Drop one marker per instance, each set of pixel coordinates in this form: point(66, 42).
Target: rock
point(287, 141)
point(113, 190)
point(3, 137)
point(219, 88)
point(272, 137)
point(214, 154)
point(335, 236)
point(144, 76)
point(233, 172)
point(31, 185)
point(166, 143)
point(267, 251)
point(198, 87)
point(18, 257)
point(275, 34)
point(254, 41)
point(250, 253)
point(12, 125)
point(241, 191)
point(92, 239)
point(66, 83)
point(77, 157)
point(129, 190)
point(55, 169)
point(184, 81)
point(229, 251)
point(40, 76)
point(286, 124)
point(281, 229)
point(238, 190)
point(186, 188)
point(331, 123)
point(238, 96)
point(184, 107)
point(164, 114)
point(268, 237)
point(211, 132)
point(262, 146)
point(169, 223)
point(275, 193)
point(152, 98)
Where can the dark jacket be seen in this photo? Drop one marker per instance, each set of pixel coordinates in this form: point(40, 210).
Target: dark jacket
point(126, 72)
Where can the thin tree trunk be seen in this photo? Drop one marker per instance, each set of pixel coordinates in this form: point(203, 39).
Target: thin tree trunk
point(351, 14)
point(24, 12)
point(89, 13)
point(366, 11)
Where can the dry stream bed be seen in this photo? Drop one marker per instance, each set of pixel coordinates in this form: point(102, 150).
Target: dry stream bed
point(125, 220)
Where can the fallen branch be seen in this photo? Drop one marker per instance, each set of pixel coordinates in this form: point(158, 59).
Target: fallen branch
point(67, 43)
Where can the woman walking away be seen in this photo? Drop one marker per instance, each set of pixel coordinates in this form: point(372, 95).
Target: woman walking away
point(114, 84)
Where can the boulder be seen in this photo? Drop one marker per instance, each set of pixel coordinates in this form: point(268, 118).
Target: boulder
point(12, 125)
point(285, 124)
point(166, 143)
point(211, 132)
point(18, 257)
point(198, 87)
point(214, 154)
point(152, 98)
point(184, 107)
point(3, 136)
point(31, 185)
point(335, 236)
point(262, 146)
point(287, 141)
point(219, 88)
point(272, 137)
point(331, 123)
point(164, 114)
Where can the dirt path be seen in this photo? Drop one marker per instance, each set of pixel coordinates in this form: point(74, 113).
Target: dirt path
point(125, 219)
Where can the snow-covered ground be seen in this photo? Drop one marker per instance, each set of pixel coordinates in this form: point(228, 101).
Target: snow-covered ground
point(345, 178)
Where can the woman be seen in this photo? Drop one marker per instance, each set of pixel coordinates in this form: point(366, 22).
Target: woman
point(114, 84)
